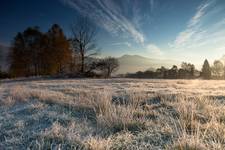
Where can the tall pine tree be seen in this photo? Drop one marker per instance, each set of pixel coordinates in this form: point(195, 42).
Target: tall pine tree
point(59, 53)
point(35, 53)
point(206, 70)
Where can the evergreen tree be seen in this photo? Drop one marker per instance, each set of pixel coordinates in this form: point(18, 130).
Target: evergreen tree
point(24, 56)
point(18, 57)
point(58, 50)
point(206, 70)
point(36, 53)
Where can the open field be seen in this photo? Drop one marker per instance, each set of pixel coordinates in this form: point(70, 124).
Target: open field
point(112, 114)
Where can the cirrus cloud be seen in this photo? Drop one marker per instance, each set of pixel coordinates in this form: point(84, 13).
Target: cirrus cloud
point(201, 33)
point(110, 16)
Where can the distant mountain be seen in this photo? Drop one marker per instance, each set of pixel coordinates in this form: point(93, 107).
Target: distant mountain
point(134, 63)
point(3, 56)
point(128, 63)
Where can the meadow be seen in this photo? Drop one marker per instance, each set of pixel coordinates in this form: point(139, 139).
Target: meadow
point(112, 114)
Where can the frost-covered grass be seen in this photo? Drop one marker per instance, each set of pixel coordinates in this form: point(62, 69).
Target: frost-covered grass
point(112, 114)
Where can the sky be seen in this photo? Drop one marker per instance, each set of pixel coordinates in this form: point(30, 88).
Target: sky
point(184, 30)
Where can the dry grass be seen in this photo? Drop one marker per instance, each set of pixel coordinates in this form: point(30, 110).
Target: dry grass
point(112, 114)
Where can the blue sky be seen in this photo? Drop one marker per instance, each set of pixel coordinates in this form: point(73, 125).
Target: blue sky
point(188, 30)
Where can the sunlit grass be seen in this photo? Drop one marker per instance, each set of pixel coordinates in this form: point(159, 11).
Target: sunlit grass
point(113, 114)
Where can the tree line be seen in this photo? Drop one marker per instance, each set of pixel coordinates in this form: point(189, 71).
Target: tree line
point(51, 53)
point(186, 71)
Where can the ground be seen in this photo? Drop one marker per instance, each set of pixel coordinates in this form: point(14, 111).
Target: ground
point(100, 114)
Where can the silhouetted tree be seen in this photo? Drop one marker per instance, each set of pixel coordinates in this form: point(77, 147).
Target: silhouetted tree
point(149, 74)
point(217, 69)
point(83, 40)
point(224, 72)
point(181, 73)
point(173, 72)
point(108, 66)
point(0, 60)
point(32, 37)
point(46, 57)
point(59, 52)
point(24, 54)
point(75, 60)
point(36, 53)
point(187, 70)
point(161, 72)
point(206, 70)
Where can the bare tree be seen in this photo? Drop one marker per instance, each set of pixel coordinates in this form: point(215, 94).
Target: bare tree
point(83, 40)
point(108, 66)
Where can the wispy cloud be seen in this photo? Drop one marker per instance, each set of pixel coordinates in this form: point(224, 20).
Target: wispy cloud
point(152, 4)
point(201, 32)
point(109, 15)
point(192, 27)
point(153, 50)
point(201, 11)
point(121, 43)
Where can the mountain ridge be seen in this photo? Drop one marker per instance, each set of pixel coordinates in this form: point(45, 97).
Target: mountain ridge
point(133, 63)
point(128, 63)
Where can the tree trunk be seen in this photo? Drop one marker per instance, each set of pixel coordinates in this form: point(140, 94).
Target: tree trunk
point(108, 73)
point(82, 63)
